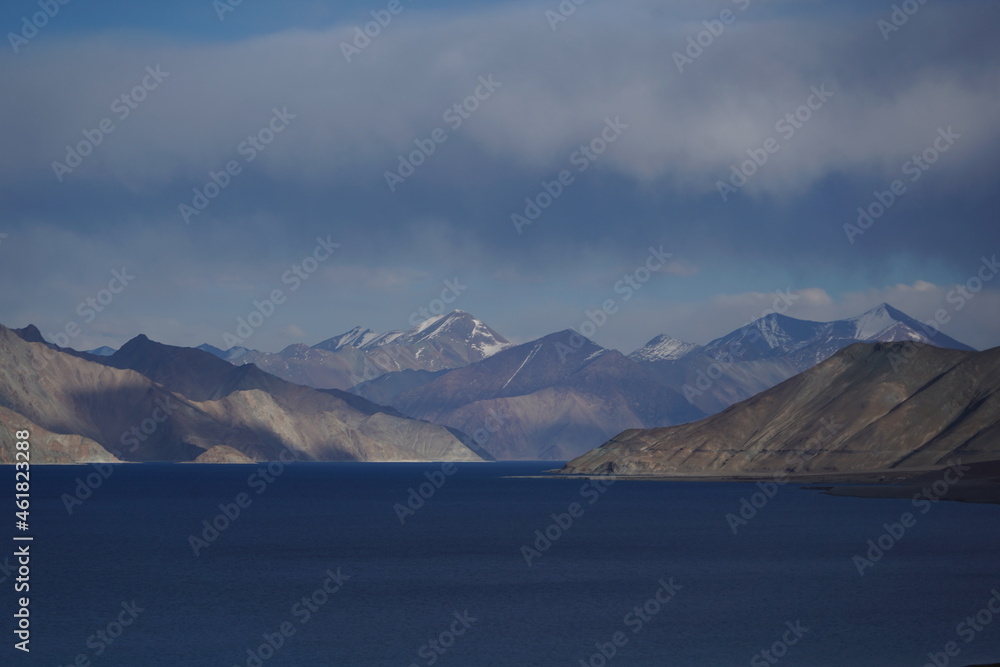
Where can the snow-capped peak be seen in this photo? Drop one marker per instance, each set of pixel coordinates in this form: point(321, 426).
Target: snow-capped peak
point(662, 348)
point(455, 331)
point(462, 326)
point(431, 321)
point(485, 340)
point(356, 337)
point(871, 324)
point(382, 339)
point(773, 334)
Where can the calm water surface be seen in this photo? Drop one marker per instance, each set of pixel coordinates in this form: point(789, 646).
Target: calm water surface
point(451, 584)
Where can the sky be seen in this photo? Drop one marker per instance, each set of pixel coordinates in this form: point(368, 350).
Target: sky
point(651, 167)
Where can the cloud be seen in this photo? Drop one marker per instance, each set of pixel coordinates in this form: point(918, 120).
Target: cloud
point(324, 174)
point(294, 332)
point(353, 119)
point(679, 267)
point(813, 296)
point(378, 279)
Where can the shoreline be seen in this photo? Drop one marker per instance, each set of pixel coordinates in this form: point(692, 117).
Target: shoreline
point(978, 483)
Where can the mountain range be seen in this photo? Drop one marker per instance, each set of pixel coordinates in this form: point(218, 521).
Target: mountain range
point(155, 402)
point(552, 398)
point(771, 349)
point(869, 407)
point(562, 405)
point(341, 362)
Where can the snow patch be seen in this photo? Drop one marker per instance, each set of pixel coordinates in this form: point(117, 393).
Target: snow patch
point(661, 348)
point(872, 324)
point(526, 360)
point(423, 326)
point(488, 349)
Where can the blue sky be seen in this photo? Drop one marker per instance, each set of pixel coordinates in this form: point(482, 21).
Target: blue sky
point(345, 120)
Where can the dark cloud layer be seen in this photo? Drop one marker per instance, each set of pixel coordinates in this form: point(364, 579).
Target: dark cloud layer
point(884, 101)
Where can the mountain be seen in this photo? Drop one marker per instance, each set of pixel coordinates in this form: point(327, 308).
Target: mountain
point(150, 401)
point(198, 375)
point(550, 398)
point(457, 334)
point(771, 349)
point(102, 351)
point(46, 446)
point(663, 348)
point(884, 322)
point(811, 342)
point(440, 343)
point(356, 337)
point(871, 406)
point(230, 355)
point(85, 410)
point(30, 333)
point(385, 389)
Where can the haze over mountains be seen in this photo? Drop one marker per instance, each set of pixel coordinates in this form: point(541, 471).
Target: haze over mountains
point(552, 398)
point(870, 407)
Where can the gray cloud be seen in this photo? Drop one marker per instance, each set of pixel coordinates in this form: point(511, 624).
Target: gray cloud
point(324, 174)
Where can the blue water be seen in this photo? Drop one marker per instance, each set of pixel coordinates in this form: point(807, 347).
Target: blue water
point(402, 584)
